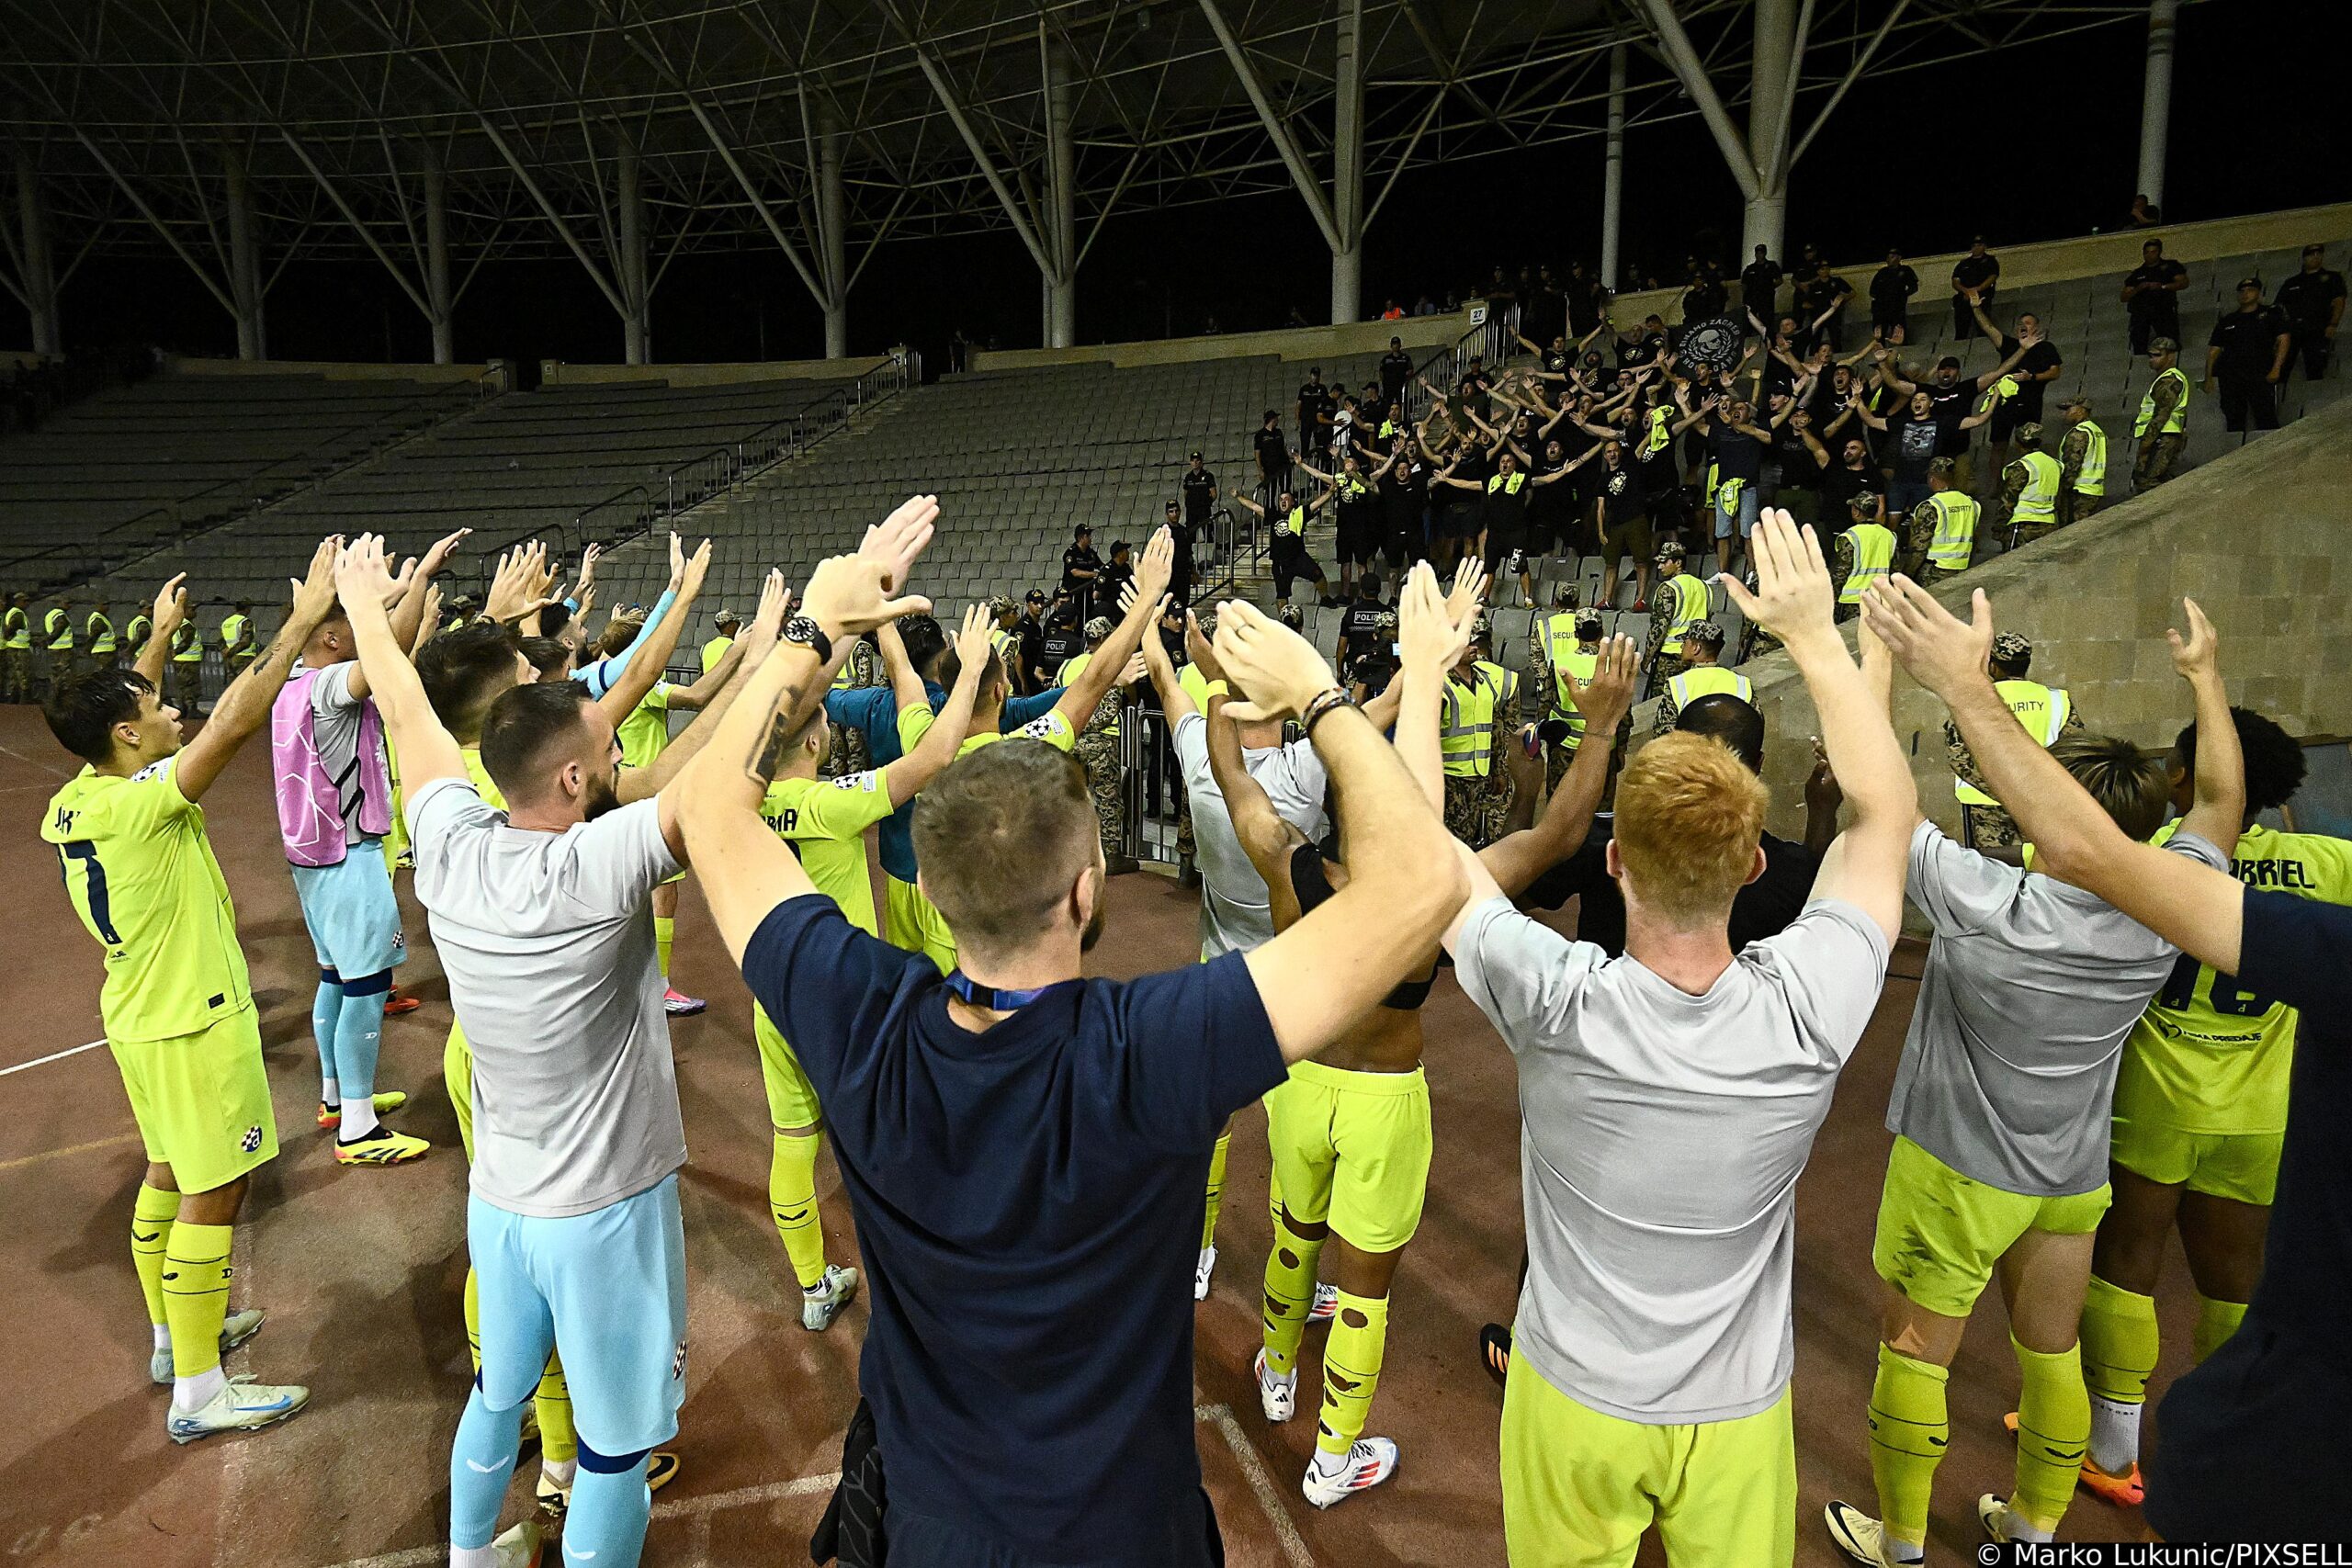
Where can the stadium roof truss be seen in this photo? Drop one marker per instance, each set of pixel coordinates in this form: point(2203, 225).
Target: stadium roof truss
point(438, 136)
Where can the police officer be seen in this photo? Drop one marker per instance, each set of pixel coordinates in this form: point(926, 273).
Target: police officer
point(16, 651)
point(2082, 462)
point(2162, 429)
point(2151, 295)
point(2312, 303)
point(2045, 711)
point(1564, 649)
point(1703, 645)
point(1477, 715)
point(2245, 359)
point(1862, 554)
point(2030, 485)
point(1942, 530)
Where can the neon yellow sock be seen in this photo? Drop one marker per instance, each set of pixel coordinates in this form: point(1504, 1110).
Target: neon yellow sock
point(152, 1213)
point(1351, 1361)
point(1290, 1291)
point(473, 1318)
point(195, 1294)
point(792, 1199)
point(2054, 1430)
point(665, 937)
point(1216, 1188)
point(2120, 1343)
point(559, 1440)
point(1909, 1431)
point(2216, 1320)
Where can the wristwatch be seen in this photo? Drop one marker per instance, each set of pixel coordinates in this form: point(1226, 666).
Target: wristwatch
point(810, 635)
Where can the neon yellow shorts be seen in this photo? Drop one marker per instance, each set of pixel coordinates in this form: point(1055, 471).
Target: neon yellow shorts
point(792, 1098)
point(2241, 1166)
point(1580, 1487)
point(202, 1101)
point(1353, 1148)
point(911, 921)
point(1940, 1233)
point(457, 1073)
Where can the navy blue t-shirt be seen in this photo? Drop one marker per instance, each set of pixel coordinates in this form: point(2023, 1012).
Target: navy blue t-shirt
point(1028, 1204)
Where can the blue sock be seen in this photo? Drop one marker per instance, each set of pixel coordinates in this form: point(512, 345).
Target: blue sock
point(358, 1035)
point(606, 1524)
point(327, 1016)
point(482, 1461)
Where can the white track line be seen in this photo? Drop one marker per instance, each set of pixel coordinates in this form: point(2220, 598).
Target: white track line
point(52, 1057)
point(1260, 1483)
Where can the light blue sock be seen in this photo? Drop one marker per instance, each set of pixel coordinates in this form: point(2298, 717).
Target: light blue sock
point(606, 1524)
point(326, 1022)
point(358, 1037)
point(482, 1461)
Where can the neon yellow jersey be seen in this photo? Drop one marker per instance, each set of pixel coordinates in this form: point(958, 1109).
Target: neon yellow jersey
point(492, 795)
point(2208, 1057)
point(914, 723)
point(714, 651)
point(141, 874)
point(825, 821)
point(1195, 684)
point(645, 733)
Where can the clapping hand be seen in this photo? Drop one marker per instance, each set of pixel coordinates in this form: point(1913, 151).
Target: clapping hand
point(1276, 669)
point(171, 606)
point(313, 596)
point(1605, 700)
point(2194, 657)
point(899, 540)
point(1792, 597)
point(1942, 652)
point(1431, 632)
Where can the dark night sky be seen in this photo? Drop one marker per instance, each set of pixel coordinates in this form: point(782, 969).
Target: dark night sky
point(2243, 141)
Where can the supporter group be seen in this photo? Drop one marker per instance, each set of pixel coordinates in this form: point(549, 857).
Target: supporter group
point(2098, 1060)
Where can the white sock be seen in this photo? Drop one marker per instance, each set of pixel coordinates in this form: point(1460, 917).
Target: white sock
point(162, 1336)
point(2115, 1435)
point(358, 1117)
point(1329, 1465)
point(473, 1557)
point(2015, 1528)
point(196, 1392)
point(1904, 1551)
point(330, 1092)
point(560, 1471)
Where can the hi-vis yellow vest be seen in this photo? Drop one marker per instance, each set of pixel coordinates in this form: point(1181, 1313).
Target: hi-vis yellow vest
point(2038, 503)
point(1564, 653)
point(1707, 680)
point(2178, 418)
point(1293, 523)
point(2042, 709)
point(1660, 433)
point(59, 628)
point(16, 630)
point(1466, 719)
point(1873, 548)
point(232, 631)
point(1954, 545)
point(1690, 606)
point(1509, 484)
point(2091, 478)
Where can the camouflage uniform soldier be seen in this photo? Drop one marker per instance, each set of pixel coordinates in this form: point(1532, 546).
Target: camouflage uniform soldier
point(2046, 714)
point(1098, 749)
point(1479, 715)
point(1563, 647)
point(848, 753)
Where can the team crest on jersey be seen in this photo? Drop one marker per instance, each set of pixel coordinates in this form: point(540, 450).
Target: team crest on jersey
point(250, 1142)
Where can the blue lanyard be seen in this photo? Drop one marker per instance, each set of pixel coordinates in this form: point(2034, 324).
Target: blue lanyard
point(988, 996)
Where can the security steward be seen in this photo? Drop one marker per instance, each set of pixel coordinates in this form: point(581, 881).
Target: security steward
point(2162, 429)
point(1702, 645)
point(16, 651)
point(2030, 485)
point(1565, 646)
point(237, 645)
point(2081, 463)
point(185, 673)
point(1862, 553)
point(2046, 712)
point(1681, 602)
point(1477, 715)
point(1941, 534)
point(57, 636)
point(97, 630)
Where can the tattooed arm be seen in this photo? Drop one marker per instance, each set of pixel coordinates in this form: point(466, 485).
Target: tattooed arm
point(745, 870)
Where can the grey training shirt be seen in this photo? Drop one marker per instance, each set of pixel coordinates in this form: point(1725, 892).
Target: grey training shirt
point(2031, 986)
point(1235, 916)
point(547, 940)
point(1662, 1138)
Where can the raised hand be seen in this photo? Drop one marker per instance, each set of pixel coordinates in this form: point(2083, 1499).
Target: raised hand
point(899, 540)
point(362, 574)
point(313, 594)
point(1469, 588)
point(520, 585)
point(677, 563)
point(1792, 597)
point(588, 559)
point(171, 606)
point(443, 549)
point(2194, 657)
point(852, 593)
point(1608, 697)
point(1278, 670)
point(1157, 565)
point(1942, 652)
point(1431, 632)
point(1198, 649)
point(697, 569)
point(972, 638)
point(775, 600)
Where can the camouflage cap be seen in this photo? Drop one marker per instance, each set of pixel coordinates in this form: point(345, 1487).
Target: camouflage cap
point(1707, 632)
point(1098, 628)
point(998, 605)
point(1589, 623)
point(2162, 346)
point(1387, 622)
point(1671, 552)
point(1481, 625)
point(1292, 617)
point(1944, 466)
point(2010, 647)
point(2077, 401)
point(1563, 597)
point(2029, 433)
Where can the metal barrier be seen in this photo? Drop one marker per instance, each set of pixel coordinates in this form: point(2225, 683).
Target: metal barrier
point(1151, 787)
